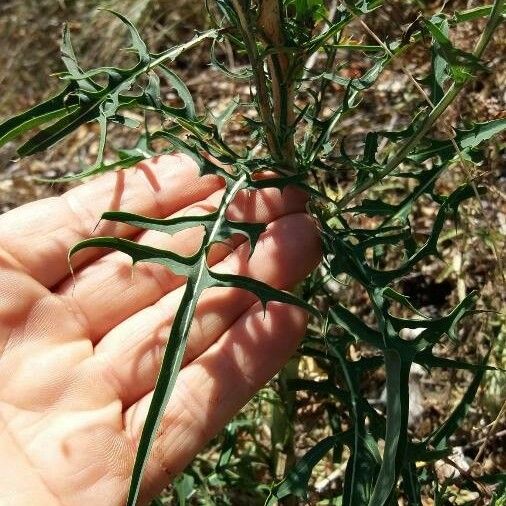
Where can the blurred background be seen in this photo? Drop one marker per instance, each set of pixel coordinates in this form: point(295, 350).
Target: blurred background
point(30, 32)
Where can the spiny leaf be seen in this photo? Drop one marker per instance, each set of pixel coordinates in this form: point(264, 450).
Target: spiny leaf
point(297, 479)
point(84, 101)
point(348, 261)
point(466, 139)
point(460, 63)
point(440, 435)
point(390, 293)
point(473, 13)
point(70, 61)
point(428, 360)
point(226, 114)
point(397, 374)
point(364, 82)
point(355, 326)
point(263, 291)
point(137, 42)
point(153, 94)
point(171, 226)
point(90, 107)
point(371, 207)
point(439, 74)
point(166, 380)
point(242, 74)
point(469, 139)
point(65, 103)
point(141, 253)
point(435, 329)
point(199, 277)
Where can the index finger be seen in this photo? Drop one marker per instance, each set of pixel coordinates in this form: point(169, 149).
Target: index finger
point(39, 235)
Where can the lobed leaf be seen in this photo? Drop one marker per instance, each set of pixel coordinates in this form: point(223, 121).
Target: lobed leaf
point(297, 478)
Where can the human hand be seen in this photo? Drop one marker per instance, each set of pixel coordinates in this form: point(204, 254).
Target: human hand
point(78, 363)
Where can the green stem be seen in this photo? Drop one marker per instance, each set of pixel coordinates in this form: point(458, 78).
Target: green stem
point(174, 352)
point(285, 416)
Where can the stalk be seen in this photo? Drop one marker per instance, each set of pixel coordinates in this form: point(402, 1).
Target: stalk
point(264, 104)
point(282, 83)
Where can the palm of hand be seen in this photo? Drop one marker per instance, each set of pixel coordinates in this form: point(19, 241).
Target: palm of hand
point(78, 363)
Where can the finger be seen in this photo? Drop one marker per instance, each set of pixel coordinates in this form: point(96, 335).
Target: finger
point(129, 357)
point(108, 291)
point(38, 235)
point(212, 388)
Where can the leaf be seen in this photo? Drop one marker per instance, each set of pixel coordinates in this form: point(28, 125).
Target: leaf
point(94, 101)
point(263, 291)
point(440, 435)
point(62, 104)
point(166, 380)
point(188, 111)
point(461, 64)
point(184, 485)
point(436, 328)
point(390, 293)
point(242, 74)
point(473, 13)
point(469, 139)
point(371, 207)
point(228, 445)
point(171, 226)
point(364, 82)
point(296, 481)
point(142, 149)
point(84, 101)
point(70, 61)
point(199, 277)
point(439, 74)
point(91, 107)
point(397, 374)
point(140, 253)
point(375, 277)
point(205, 165)
point(355, 326)
point(466, 140)
point(428, 360)
point(226, 114)
point(361, 470)
point(137, 42)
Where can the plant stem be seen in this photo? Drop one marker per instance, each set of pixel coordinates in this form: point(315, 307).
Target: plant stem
point(282, 83)
point(264, 105)
point(493, 22)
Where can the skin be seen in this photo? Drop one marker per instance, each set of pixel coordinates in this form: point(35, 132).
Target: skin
point(79, 358)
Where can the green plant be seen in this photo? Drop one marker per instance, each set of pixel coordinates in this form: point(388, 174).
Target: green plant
point(292, 133)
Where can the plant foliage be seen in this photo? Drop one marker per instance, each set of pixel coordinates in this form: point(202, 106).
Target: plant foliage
point(292, 136)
